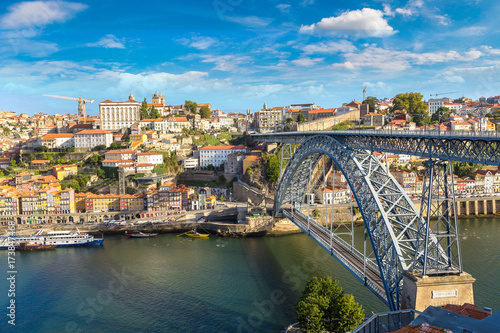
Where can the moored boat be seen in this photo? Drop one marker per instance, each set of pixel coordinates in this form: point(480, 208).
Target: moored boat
point(194, 234)
point(53, 238)
point(141, 234)
point(26, 246)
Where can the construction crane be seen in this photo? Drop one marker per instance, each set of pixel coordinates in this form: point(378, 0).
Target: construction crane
point(81, 104)
point(436, 95)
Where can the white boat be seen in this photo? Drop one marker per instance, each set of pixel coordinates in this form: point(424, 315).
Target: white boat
point(56, 238)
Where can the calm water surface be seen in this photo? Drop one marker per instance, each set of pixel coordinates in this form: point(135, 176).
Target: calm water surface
point(172, 284)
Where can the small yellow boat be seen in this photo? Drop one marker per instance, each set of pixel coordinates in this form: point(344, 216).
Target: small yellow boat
point(194, 233)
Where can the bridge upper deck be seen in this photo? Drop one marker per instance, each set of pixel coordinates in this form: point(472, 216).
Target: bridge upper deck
point(466, 146)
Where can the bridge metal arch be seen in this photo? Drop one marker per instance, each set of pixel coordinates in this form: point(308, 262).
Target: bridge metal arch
point(389, 215)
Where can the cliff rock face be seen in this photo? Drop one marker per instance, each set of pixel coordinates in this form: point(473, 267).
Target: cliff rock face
point(258, 180)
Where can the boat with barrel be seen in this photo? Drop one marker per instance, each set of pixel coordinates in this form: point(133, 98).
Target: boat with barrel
point(28, 246)
point(52, 238)
point(140, 234)
point(193, 233)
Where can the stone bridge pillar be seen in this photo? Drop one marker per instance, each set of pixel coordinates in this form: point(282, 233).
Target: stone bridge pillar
point(420, 292)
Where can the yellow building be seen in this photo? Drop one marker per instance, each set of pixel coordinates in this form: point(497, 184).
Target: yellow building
point(137, 139)
point(210, 201)
point(102, 203)
point(63, 171)
point(80, 201)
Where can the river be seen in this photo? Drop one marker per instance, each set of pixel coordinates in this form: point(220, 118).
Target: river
point(174, 284)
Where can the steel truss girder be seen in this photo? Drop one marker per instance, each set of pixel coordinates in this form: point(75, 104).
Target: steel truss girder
point(438, 238)
point(389, 215)
point(474, 149)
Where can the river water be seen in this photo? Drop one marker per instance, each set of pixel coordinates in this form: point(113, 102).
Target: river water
point(177, 284)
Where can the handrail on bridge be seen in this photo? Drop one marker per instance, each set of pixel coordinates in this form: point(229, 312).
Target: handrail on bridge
point(431, 133)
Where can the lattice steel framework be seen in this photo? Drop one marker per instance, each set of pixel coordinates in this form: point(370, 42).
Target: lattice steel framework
point(438, 241)
point(390, 217)
point(471, 147)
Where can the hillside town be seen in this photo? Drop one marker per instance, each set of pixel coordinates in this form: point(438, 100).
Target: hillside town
point(152, 156)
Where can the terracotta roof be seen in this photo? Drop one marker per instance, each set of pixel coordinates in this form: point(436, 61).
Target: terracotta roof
point(144, 154)
point(223, 147)
point(39, 161)
point(96, 131)
point(57, 135)
point(323, 111)
point(117, 161)
point(121, 152)
point(145, 164)
point(468, 310)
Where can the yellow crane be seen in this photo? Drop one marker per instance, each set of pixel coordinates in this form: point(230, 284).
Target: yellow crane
point(81, 104)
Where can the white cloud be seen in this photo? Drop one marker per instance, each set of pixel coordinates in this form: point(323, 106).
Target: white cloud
point(346, 65)
point(306, 62)
point(388, 11)
point(471, 31)
point(341, 46)
point(108, 42)
point(376, 85)
point(250, 21)
point(283, 7)
point(199, 42)
point(39, 13)
point(14, 45)
point(369, 21)
point(404, 11)
point(385, 60)
point(307, 2)
point(442, 19)
point(490, 50)
point(226, 63)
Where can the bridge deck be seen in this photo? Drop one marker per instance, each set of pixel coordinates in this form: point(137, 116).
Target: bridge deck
point(474, 147)
point(349, 257)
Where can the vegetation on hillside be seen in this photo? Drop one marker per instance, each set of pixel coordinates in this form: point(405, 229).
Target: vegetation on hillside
point(323, 306)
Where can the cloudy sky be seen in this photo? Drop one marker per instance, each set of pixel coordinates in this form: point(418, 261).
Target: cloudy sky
point(238, 54)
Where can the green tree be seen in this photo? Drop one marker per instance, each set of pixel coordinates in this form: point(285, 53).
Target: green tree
point(441, 114)
point(13, 163)
point(130, 190)
point(316, 213)
point(301, 118)
point(6, 130)
point(289, 120)
point(222, 198)
point(273, 168)
point(114, 145)
point(205, 112)
point(462, 169)
point(191, 106)
point(144, 112)
point(70, 149)
point(99, 147)
point(154, 113)
point(101, 173)
point(323, 306)
point(489, 115)
point(372, 102)
point(414, 104)
point(39, 149)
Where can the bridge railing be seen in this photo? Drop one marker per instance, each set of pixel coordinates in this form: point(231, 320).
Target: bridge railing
point(426, 133)
point(432, 133)
point(377, 289)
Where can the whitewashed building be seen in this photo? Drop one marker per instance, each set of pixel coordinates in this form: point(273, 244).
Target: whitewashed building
point(88, 139)
point(117, 115)
point(150, 158)
point(217, 155)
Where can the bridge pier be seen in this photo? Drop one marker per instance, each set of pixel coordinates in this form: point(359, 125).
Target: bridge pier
point(421, 291)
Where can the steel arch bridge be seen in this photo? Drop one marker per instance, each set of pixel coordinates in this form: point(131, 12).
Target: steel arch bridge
point(402, 238)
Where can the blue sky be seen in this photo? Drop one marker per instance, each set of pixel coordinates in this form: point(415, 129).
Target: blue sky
point(238, 54)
